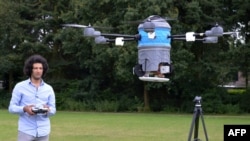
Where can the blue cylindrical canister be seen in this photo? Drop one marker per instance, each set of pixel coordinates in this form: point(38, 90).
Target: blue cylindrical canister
point(154, 47)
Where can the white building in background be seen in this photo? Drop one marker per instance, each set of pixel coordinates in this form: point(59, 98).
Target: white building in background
point(240, 83)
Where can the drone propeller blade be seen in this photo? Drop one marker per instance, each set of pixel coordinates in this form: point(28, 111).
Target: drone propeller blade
point(155, 18)
point(229, 33)
point(75, 25)
point(133, 22)
point(85, 26)
point(170, 19)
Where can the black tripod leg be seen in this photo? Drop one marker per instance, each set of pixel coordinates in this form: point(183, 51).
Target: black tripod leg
point(195, 117)
point(204, 127)
point(196, 128)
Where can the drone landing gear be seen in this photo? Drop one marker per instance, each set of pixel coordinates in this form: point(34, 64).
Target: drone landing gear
point(144, 76)
point(153, 79)
point(195, 121)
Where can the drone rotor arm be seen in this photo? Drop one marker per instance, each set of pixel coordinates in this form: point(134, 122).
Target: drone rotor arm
point(117, 35)
point(189, 37)
point(176, 36)
point(129, 37)
point(179, 38)
point(184, 35)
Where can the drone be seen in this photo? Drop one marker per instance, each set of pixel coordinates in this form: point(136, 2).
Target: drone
point(154, 44)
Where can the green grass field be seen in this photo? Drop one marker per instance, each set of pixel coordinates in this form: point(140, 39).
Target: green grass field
point(91, 126)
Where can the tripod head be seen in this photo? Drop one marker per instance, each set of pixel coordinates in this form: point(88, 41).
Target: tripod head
point(197, 101)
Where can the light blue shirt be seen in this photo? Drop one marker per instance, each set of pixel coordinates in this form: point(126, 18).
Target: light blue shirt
point(25, 93)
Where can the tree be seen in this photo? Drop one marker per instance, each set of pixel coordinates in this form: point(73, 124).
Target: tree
point(11, 36)
point(83, 69)
point(237, 11)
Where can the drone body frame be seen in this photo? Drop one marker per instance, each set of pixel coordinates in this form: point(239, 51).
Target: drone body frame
point(154, 45)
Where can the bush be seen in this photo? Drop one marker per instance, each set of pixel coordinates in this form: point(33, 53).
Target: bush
point(231, 109)
point(130, 104)
point(244, 101)
point(4, 99)
point(106, 106)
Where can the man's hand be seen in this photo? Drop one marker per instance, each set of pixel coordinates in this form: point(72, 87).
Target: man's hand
point(46, 106)
point(28, 109)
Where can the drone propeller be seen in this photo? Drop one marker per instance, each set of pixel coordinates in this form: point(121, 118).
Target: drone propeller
point(154, 18)
point(86, 26)
point(157, 18)
point(209, 36)
point(89, 31)
point(75, 25)
point(215, 23)
point(229, 33)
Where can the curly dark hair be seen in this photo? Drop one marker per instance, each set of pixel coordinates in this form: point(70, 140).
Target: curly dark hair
point(28, 66)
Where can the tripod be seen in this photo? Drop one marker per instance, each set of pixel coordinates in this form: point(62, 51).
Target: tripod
point(195, 121)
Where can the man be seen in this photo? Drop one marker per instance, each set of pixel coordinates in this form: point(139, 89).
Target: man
point(30, 95)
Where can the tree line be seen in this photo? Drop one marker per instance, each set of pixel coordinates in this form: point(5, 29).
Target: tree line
point(88, 76)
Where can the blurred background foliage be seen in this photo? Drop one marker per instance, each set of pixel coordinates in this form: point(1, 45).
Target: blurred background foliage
point(91, 77)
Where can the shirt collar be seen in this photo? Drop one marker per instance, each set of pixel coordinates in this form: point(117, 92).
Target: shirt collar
point(29, 81)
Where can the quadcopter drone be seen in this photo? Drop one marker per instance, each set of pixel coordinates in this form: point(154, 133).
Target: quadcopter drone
point(154, 44)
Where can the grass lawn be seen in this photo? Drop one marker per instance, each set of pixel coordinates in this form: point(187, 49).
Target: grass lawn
point(91, 126)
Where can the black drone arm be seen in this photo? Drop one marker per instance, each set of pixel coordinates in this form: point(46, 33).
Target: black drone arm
point(126, 37)
point(207, 37)
point(184, 35)
point(118, 39)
